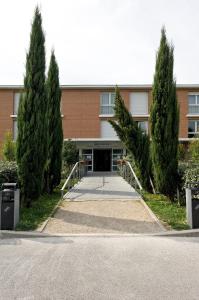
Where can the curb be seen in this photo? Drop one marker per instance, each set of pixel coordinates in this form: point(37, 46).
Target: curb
point(6, 234)
point(44, 224)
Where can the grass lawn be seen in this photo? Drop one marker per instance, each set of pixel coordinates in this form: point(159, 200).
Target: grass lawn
point(170, 213)
point(31, 218)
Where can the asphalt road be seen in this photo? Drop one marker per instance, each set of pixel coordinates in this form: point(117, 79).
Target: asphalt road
point(99, 268)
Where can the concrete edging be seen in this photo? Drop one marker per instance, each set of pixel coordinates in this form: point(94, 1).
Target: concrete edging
point(44, 224)
point(6, 234)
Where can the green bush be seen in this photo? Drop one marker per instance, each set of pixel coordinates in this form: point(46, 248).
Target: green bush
point(191, 177)
point(182, 152)
point(9, 147)
point(194, 151)
point(8, 172)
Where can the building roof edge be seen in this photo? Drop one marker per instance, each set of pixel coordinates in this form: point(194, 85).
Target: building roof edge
point(103, 86)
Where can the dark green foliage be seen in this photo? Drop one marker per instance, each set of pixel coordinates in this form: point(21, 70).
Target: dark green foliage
point(55, 133)
point(164, 121)
point(135, 140)
point(32, 127)
point(70, 153)
point(8, 172)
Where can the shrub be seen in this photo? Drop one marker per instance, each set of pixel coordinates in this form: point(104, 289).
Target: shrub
point(70, 153)
point(194, 150)
point(182, 152)
point(9, 147)
point(8, 172)
point(191, 177)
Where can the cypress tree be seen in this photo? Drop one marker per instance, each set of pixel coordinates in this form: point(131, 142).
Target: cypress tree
point(32, 138)
point(164, 121)
point(55, 133)
point(135, 140)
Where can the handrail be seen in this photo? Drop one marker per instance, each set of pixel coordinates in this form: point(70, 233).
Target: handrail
point(137, 181)
point(78, 171)
point(127, 172)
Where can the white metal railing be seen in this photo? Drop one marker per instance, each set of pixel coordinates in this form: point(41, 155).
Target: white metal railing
point(127, 172)
point(78, 171)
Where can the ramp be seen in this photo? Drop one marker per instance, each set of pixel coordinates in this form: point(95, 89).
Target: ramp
point(102, 186)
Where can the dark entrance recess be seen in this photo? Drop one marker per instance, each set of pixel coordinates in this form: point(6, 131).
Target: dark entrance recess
point(102, 160)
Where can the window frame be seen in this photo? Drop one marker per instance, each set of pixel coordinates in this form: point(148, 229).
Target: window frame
point(195, 132)
point(195, 105)
point(109, 105)
point(147, 125)
point(132, 100)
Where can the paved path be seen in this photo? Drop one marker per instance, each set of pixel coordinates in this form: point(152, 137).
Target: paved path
point(96, 268)
point(103, 203)
point(102, 186)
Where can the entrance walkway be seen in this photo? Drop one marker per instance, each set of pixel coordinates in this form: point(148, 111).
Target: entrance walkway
point(102, 186)
point(102, 203)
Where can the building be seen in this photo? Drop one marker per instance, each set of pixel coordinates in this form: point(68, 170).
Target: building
point(85, 110)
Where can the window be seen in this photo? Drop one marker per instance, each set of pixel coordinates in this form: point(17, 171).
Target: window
point(16, 103)
point(15, 130)
point(87, 155)
point(143, 125)
point(194, 104)
point(139, 103)
point(107, 102)
point(107, 131)
point(193, 128)
point(116, 155)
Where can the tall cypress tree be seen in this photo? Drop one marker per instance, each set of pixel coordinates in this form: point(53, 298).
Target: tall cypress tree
point(32, 138)
point(164, 121)
point(135, 140)
point(55, 133)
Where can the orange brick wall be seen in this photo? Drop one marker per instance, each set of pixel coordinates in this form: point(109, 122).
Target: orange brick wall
point(81, 113)
point(183, 105)
point(6, 109)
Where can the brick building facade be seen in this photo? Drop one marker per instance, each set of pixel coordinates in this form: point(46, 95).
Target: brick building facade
point(86, 109)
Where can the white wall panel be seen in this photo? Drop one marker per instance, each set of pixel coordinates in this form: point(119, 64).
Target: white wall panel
point(139, 103)
point(107, 130)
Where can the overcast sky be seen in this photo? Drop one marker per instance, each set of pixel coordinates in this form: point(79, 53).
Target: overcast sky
point(102, 41)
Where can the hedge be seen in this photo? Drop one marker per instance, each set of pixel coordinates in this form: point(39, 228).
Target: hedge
point(8, 172)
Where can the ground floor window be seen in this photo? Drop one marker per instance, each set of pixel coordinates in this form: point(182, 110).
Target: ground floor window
point(193, 128)
point(116, 155)
point(87, 155)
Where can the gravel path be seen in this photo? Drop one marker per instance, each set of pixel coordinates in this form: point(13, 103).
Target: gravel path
point(102, 217)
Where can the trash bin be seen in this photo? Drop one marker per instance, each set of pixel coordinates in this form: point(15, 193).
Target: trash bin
point(9, 206)
point(195, 213)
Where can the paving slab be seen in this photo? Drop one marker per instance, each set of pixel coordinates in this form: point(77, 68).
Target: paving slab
point(102, 186)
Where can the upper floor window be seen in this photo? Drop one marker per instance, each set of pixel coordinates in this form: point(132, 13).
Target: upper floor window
point(193, 128)
point(107, 102)
point(16, 103)
point(139, 103)
point(194, 104)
